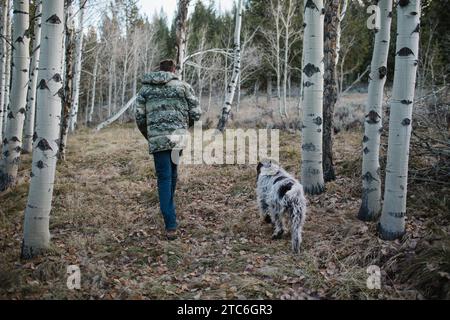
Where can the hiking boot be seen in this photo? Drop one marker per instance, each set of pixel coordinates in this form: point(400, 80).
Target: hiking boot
point(171, 235)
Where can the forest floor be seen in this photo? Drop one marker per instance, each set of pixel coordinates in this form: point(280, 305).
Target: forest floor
point(106, 220)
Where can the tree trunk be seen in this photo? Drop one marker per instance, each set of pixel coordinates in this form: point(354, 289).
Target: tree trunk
point(210, 93)
point(392, 222)
point(135, 69)
point(280, 105)
point(114, 79)
point(87, 103)
point(94, 88)
point(332, 23)
point(110, 87)
point(269, 90)
point(231, 89)
point(238, 100)
point(77, 72)
point(124, 77)
point(4, 9)
point(31, 98)
point(101, 102)
point(181, 34)
point(286, 66)
point(312, 174)
point(200, 83)
point(290, 86)
point(301, 90)
point(68, 78)
point(36, 236)
point(256, 92)
point(342, 13)
point(7, 85)
point(371, 179)
point(18, 99)
point(117, 115)
point(277, 58)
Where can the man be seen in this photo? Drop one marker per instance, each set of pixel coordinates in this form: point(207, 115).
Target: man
point(166, 105)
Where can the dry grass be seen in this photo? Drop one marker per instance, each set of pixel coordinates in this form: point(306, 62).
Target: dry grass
point(106, 220)
point(259, 113)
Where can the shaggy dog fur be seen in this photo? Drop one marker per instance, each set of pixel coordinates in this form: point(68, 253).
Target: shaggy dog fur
point(279, 196)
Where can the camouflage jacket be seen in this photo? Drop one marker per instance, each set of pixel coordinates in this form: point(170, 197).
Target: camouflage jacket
point(166, 106)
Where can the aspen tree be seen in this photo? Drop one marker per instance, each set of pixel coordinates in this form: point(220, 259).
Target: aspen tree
point(392, 222)
point(36, 236)
point(313, 70)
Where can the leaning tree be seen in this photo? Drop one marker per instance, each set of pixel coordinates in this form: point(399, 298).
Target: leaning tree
point(231, 88)
point(32, 85)
point(371, 178)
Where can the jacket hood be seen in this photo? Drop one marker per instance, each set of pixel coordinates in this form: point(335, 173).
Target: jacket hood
point(159, 77)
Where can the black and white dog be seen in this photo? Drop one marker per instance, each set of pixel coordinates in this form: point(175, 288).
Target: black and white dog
point(280, 196)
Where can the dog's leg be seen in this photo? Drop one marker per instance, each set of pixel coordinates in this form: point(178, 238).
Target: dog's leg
point(278, 224)
point(286, 222)
point(264, 210)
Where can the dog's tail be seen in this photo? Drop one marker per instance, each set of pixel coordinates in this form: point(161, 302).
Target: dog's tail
point(296, 203)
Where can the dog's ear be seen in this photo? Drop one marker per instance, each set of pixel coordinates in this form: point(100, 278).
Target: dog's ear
point(258, 168)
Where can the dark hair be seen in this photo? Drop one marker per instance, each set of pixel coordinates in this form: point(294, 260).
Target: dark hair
point(167, 65)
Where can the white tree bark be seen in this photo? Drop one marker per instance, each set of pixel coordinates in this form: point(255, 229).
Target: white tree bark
point(36, 237)
point(124, 75)
point(77, 68)
point(68, 49)
point(392, 222)
point(287, 23)
point(7, 73)
point(181, 34)
point(371, 179)
point(110, 86)
point(4, 9)
point(94, 88)
point(117, 115)
point(31, 96)
point(339, 29)
point(286, 63)
point(313, 71)
point(277, 15)
point(231, 89)
point(16, 115)
point(199, 67)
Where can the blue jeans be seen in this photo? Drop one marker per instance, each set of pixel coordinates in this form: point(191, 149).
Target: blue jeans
point(166, 172)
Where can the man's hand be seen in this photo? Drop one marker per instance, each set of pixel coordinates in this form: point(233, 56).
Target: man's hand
point(195, 112)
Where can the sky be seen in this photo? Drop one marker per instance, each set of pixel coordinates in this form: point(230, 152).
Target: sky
point(149, 7)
